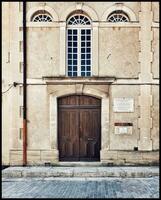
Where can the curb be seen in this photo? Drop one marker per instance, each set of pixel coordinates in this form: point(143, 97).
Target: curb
point(79, 172)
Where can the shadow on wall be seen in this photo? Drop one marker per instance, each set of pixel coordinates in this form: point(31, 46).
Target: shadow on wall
point(4, 166)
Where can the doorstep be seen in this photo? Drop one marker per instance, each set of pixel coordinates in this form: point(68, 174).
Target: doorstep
point(87, 171)
point(79, 164)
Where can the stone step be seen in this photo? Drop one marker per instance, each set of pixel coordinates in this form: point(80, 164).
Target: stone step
point(44, 172)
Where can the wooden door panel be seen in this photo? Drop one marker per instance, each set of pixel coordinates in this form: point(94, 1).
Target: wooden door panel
point(89, 134)
point(69, 100)
point(68, 134)
point(87, 100)
point(79, 128)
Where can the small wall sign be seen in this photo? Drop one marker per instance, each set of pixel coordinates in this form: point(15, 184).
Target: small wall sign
point(123, 128)
point(123, 105)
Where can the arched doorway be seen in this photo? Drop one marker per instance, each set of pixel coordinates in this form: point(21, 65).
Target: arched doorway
point(79, 128)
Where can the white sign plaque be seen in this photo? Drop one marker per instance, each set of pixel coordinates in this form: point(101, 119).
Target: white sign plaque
point(123, 105)
point(123, 130)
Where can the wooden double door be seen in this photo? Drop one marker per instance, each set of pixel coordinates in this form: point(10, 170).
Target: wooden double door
point(79, 128)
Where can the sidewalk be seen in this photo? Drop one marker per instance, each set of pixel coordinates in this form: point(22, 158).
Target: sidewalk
point(45, 171)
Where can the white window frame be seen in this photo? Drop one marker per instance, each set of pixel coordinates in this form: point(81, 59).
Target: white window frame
point(79, 28)
point(118, 13)
point(43, 13)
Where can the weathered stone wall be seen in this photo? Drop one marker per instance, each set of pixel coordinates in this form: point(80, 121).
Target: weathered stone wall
point(118, 52)
point(155, 117)
point(129, 52)
point(155, 49)
point(125, 141)
point(43, 52)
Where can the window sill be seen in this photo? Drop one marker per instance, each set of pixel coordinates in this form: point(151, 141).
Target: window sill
point(80, 80)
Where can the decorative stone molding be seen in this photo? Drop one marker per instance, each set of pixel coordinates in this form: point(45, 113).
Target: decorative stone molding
point(56, 92)
point(62, 67)
point(145, 59)
point(37, 8)
point(92, 14)
point(79, 88)
point(95, 47)
point(122, 7)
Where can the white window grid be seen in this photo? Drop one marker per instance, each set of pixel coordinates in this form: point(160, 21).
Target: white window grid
point(42, 17)
point(118, 16)
point(79, 51)
point(78, 19)
point(79, 46)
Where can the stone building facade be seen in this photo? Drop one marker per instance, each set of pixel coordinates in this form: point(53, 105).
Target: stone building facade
point(122, 72)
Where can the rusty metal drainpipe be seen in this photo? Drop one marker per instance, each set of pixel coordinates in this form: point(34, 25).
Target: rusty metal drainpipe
point(24, 88)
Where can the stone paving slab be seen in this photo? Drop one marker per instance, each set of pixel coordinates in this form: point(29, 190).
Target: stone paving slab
point(19, 172)
point(77, 187)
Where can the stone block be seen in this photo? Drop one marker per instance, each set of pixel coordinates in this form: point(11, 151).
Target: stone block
point(49, 156)
point(16, 157)
point(129, 155)
point(33, 157)
point(108, 155)
point(151, 156)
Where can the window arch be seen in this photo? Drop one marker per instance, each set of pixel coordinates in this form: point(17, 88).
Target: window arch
point(78, 20)
point(42, 16)
point(79, 45)
point(119, 7)
point(118, 16)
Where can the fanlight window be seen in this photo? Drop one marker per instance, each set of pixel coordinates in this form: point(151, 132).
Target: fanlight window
point(42, 16)
point(79, 20)
point(118, 16)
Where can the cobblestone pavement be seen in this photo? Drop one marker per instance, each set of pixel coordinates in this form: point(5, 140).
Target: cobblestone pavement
point(81, 188)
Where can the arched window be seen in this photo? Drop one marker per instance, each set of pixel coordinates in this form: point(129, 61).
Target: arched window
point(42, 16)
point(79, 45)
point(118, 16)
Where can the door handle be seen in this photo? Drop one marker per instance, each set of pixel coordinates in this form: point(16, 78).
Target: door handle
point(89, 139)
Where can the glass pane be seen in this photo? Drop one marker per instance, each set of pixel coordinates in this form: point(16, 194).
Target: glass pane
point(88, 31)
point(69, 62)
point(88, 44)
point(75, 32)
point(74, 50)
point(74, 73)
point(83, 44)
point(75, 38)
point(69, 31)
point(74, 44)
point(82, 37)
point(69, 38)
point(74, 56)
point(82, 62)
point(88, 37)
point(82, 73)
point(74, 62)
point(88, 62)
point(69, 44)
point(74, 68)
point(83, 32)
point(82, 50)
point(82, 56)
